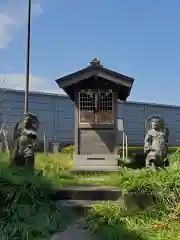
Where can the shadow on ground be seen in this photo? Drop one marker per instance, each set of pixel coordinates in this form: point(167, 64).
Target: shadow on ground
point(137, 161)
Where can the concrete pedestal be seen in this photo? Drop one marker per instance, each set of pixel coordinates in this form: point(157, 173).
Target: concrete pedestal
point(55, 147)
point(96, 162)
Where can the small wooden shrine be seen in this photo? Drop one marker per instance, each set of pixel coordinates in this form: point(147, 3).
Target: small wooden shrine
point(95, 91)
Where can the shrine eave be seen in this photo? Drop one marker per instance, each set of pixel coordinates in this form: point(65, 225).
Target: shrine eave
point(123, 83)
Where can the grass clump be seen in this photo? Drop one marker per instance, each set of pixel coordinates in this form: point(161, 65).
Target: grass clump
point(26, 211)
point(55, 167)
point(160, 219)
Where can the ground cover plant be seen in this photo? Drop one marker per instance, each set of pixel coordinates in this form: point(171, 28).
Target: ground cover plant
point(26, 212)
point(159, 220)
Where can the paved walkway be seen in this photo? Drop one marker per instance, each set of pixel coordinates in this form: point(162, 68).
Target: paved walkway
point(74, 232)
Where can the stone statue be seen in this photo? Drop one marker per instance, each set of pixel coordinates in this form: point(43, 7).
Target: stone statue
point(95, 63)
point(156, 142)
point(25, 135)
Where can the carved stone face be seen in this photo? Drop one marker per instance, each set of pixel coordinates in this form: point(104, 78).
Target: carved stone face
point(27, 122)
point(30, 121)
point(156, 124)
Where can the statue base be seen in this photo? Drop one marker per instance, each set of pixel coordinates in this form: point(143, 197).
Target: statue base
point(96, 162)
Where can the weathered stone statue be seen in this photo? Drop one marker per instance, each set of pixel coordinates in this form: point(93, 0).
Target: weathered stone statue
point(25, 135)
point(96, 62)
point(156, 142)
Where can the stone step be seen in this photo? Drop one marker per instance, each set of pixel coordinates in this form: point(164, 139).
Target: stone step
point(87, 192)
point(83, 204)
point(133, 201)
point(75, 232)
point(97, 168)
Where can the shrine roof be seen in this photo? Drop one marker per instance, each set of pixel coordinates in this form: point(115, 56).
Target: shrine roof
point(97, 69)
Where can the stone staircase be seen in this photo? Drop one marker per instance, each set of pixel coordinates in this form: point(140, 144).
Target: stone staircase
point(84, 196)
point(79, 198)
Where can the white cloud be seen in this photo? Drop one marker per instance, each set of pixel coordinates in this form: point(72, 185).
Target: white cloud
point(36, 83)
point(13, 16)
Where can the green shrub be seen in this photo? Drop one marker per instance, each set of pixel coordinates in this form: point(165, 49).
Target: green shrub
point(112, 222)
point(69, 149)
point(159, 220)
point(26, 211)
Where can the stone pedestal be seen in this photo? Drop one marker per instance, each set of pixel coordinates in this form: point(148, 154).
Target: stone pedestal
point(55, 147)
point(96, 162)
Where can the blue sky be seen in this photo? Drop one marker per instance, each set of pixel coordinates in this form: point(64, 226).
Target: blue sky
point(136, 38)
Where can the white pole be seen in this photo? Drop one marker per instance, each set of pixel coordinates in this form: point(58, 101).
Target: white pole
point(1, 130)
point(126, 147)
point(45, 144)
point(1, 140)
point(145, 127)
point(5, 134)
point(123, 145)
